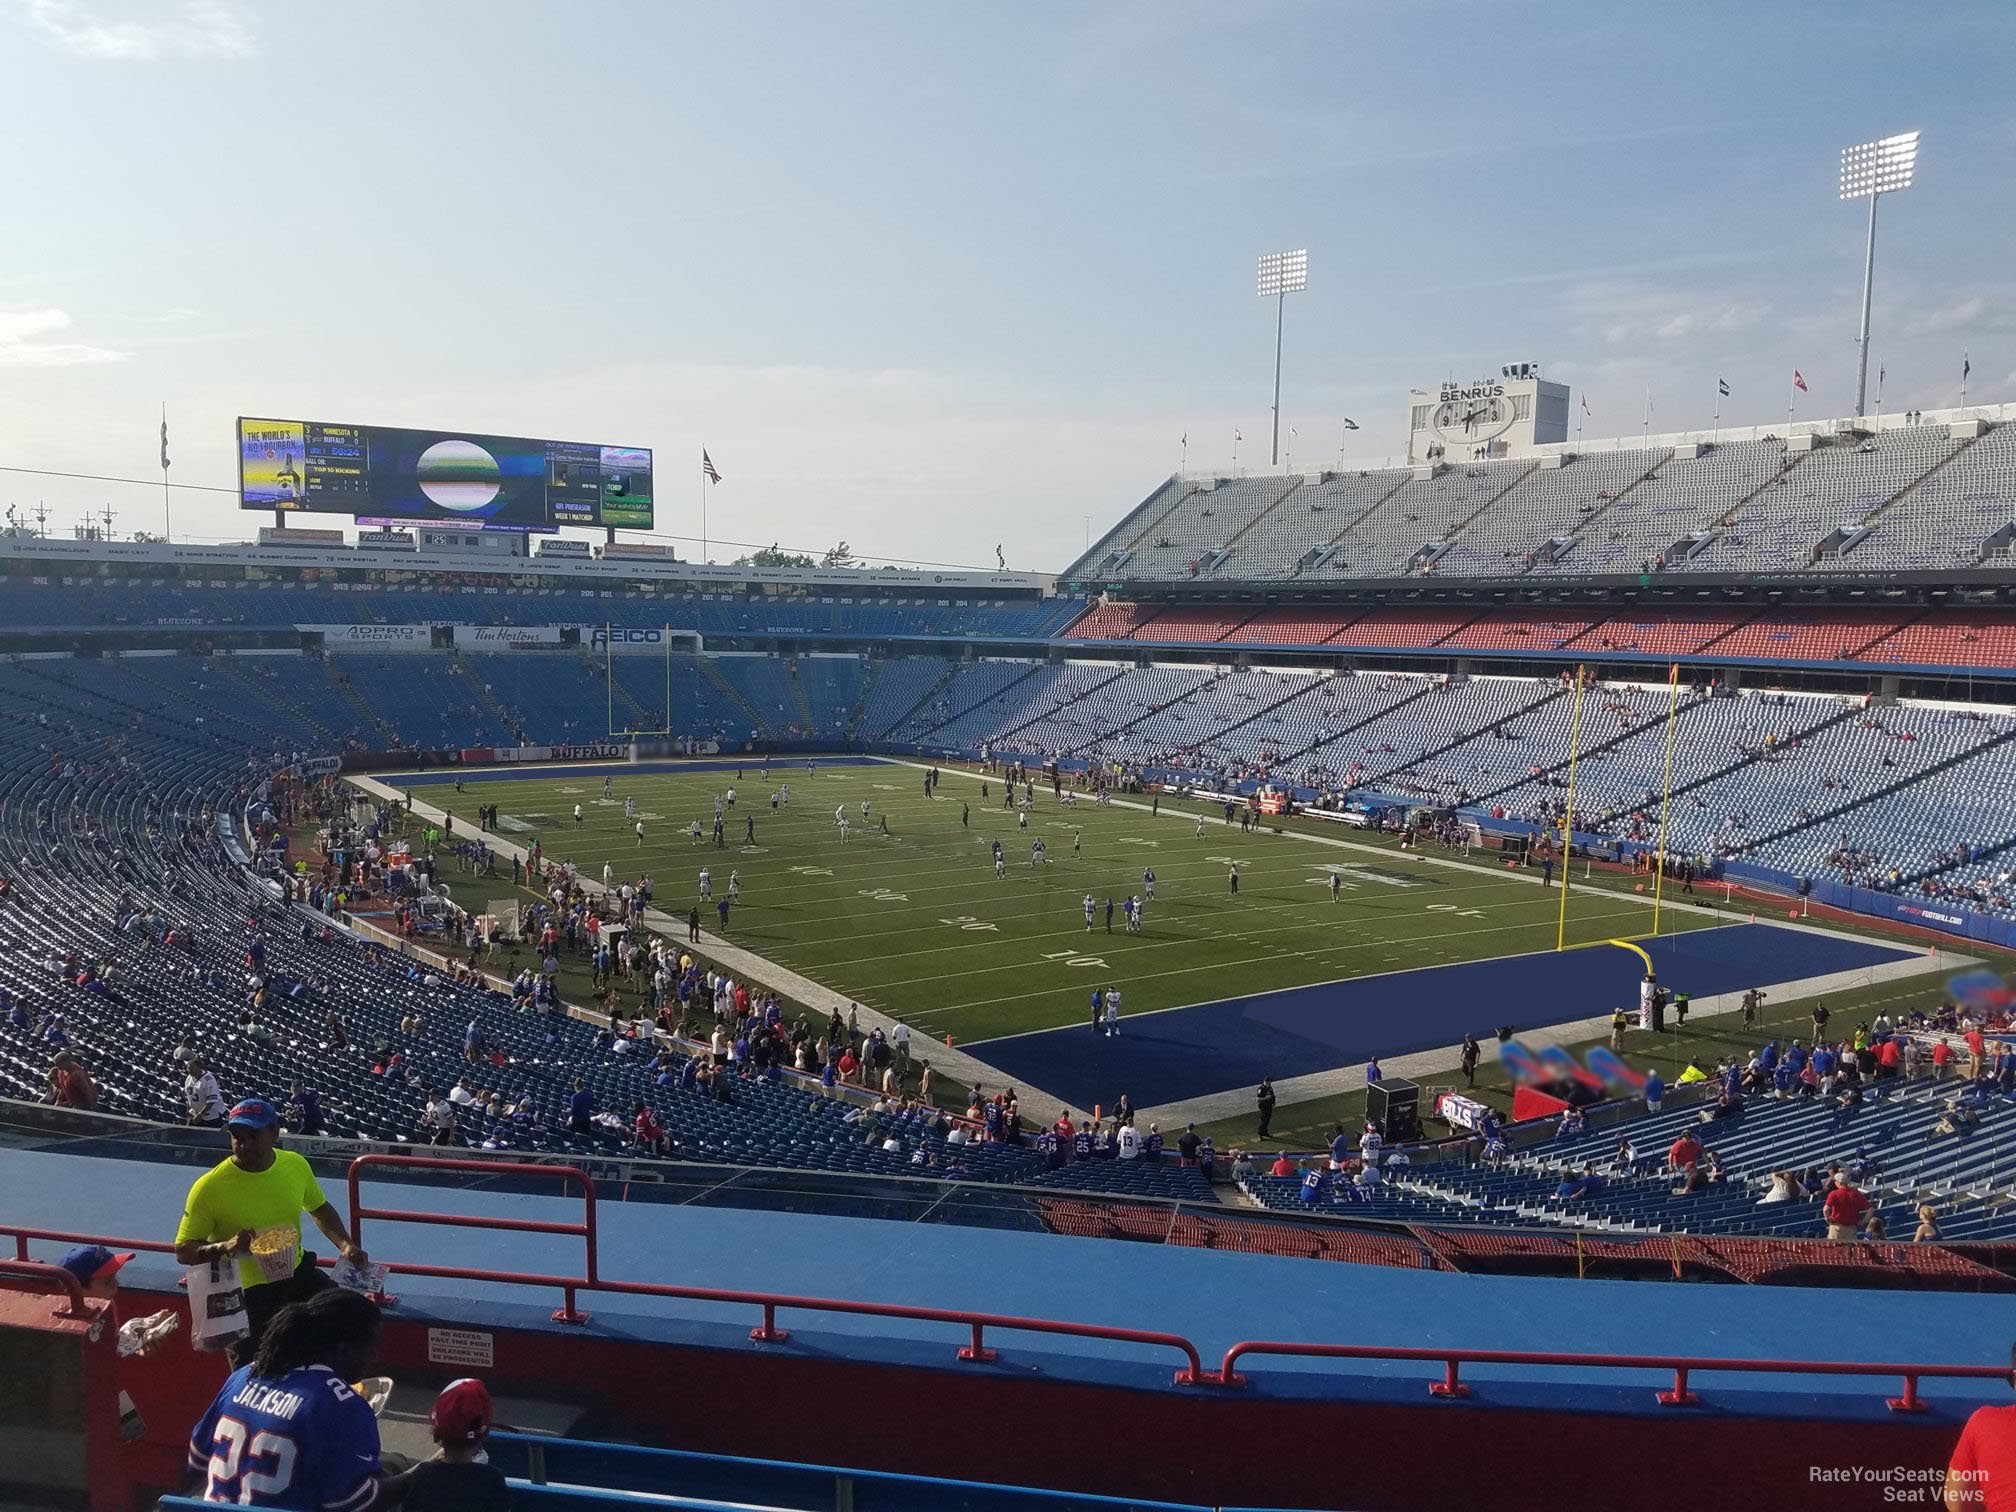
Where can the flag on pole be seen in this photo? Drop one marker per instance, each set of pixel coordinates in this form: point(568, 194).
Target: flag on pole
point(1799, 382)
point(1966, 366)
point(1585, 404)
point(707, 466)
point(1186, 439)
point(1722, 384)
point(1349, 423)
point(164, 441)
point(1236, 437)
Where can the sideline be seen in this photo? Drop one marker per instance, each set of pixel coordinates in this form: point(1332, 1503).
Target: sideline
point(1423, 1064)
point(949, 1067)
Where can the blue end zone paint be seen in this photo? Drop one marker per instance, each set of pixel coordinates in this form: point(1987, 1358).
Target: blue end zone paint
point(1218, 1047)
point(613, 766)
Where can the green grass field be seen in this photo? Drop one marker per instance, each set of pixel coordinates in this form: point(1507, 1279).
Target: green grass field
point(916, 923)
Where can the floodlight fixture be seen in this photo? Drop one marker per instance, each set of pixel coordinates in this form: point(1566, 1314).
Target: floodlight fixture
point(1284, 273)
point(1281, 274)
point(1870, 171)
point(1879, 167)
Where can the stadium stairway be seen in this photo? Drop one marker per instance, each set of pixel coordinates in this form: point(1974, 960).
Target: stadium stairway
point(712, 672)
point(800, 704)
point(262, 689)
point(1616, 497)
point(1186, 700)
point(481, 690)
point(1232, 543)
point(1865, 799)
point(355, 698)
point(1911, 489)
point(1071, 695)
point(1464, 738)
point(1621, 738)
point(626, 702)
point(1719, 773)
point(1288, 758)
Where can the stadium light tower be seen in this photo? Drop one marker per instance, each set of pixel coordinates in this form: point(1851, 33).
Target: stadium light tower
point(1869, 172)
point(1281, 274)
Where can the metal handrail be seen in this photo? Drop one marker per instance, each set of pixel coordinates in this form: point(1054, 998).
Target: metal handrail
point(1683, 1367)
point(69, 1285)
point(585, 1230)
point(1450, 1385)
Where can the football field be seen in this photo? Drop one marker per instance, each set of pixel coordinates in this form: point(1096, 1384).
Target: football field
point(1286, 977)
point(915, 922)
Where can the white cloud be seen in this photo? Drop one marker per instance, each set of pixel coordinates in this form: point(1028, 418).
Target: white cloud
point(20, 348)
point(192, 29)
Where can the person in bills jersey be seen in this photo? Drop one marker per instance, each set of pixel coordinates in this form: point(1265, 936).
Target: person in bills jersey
point(288, 1431)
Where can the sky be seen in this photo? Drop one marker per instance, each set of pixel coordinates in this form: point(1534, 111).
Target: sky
point(931, 277)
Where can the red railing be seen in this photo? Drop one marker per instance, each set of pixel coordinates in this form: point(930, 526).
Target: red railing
point(1450, 1385)
point(61, 1279)
point(584, 1230)
point(1684, 1367)
point(771, 1303)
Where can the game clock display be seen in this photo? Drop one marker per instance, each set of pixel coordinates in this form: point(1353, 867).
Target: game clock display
point(393, 475)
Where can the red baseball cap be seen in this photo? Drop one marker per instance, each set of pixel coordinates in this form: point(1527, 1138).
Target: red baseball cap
point(461, 1414)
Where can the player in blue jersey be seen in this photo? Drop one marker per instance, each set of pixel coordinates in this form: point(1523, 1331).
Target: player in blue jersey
point(287, 1431)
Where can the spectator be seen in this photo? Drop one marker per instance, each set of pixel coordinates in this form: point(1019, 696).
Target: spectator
point(201, 1096)
point(458, 1478)
point(581, 1108)
point(249, 1207)
point(1655, 1091)
point(1283, 1166)
point(1927, 1231)
point(1685, 1153)
point(70, 1084)
point(1188, 1145)
point(1784, 1188)
point(293, 1391)
point(1982, 1472)
point(1845, 1210)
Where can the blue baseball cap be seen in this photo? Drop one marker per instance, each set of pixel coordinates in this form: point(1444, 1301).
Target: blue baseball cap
point(88, 1261)
point(253, 1113)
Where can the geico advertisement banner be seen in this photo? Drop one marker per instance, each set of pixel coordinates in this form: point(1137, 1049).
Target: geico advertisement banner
point(653, 640)
point(373, 637)
point(498, 637)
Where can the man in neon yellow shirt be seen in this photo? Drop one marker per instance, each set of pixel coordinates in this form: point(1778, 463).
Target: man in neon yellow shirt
point(250, 1206)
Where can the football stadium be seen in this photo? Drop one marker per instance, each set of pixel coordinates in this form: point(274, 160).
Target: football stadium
point(1331, 963)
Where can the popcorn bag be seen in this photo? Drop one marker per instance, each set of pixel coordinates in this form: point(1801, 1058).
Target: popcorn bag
point(273, 1251)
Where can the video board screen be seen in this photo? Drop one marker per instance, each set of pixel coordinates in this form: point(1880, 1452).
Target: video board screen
point(388, 474)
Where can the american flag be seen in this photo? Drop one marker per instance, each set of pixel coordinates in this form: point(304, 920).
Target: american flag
point(707, 466)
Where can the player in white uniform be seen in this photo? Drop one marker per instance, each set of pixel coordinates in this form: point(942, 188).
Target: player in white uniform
point(696, 831)
point(784, 793)
point(864, 810)
point(735, 887)
point(1336, 886)
point(840, 815)
point(1088, 913)
point(608, 874)
point(629, 808)
point(844, 831)
point(1113, 1011)
point(1200, 826)
point(1022, 820)
point(608, 787)
point(577, 816)
point(640, 831)
point(706, 884)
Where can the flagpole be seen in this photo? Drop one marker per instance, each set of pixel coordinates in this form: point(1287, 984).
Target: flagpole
point(1666, 799)
point(1718, 409)
point(1645, 423)
point(168, 509)
point(703, 504)
point(1568, 821)
point(1879, 396)
point(1966, 367)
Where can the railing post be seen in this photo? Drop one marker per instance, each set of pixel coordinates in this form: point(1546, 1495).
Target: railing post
point(978, 1349)
point(1679, 1396)
point(768, 1332)
point(1449, 1385)
point(1909, 1402)
point(567, 1311)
